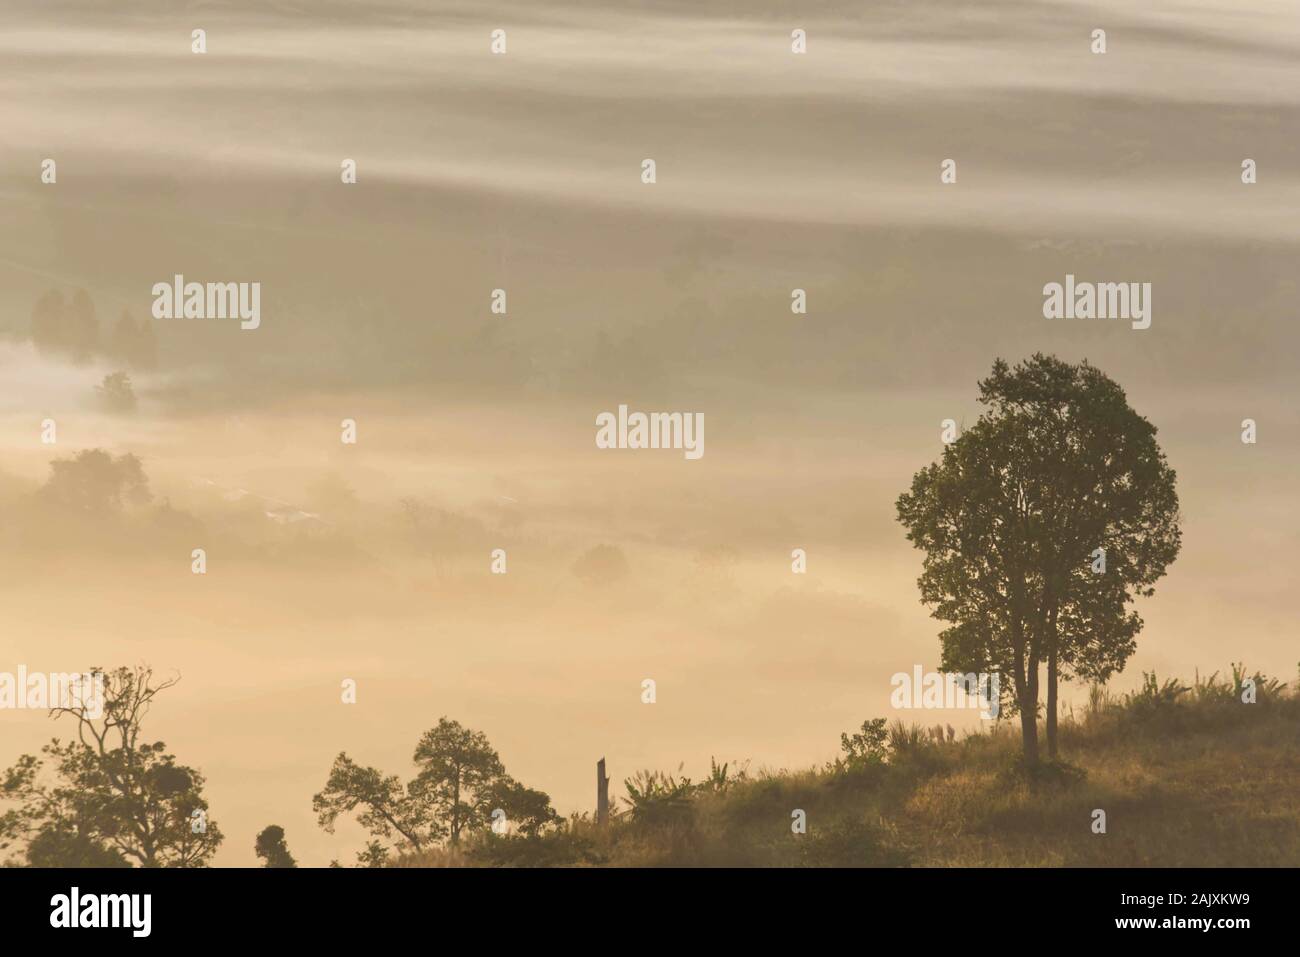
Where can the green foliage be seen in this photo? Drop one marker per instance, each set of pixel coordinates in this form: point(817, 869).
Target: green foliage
point(460, 782)
point(1153, 696)
point(566, 845)
point(657, 799)
point(1163, 769)
point(905, 739)
point(1266, 688)
point(868, 746)
point(458, 771)
point(60, 847)
point(1040, 776)
point(527, 810)
point(375, 854)
point(1057, 466)
point(848, 842)
point(1099, 699)
point(383, 806)
point(718, 782)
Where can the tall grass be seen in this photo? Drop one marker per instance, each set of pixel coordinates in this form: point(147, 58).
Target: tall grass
point(1186, 775)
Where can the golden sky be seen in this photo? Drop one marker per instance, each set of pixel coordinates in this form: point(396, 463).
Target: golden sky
point(523, 172)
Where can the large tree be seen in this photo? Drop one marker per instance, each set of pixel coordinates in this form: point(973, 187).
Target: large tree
point(114, 799)
point(1040, 525)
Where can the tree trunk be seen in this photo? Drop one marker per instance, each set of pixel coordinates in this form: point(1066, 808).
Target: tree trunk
point(1029, 733)
point(602, 793)
point(1029, 712)
point(455, 812)
point(1051, 703)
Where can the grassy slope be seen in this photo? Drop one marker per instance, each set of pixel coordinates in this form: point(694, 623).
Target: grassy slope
point(1199, 780)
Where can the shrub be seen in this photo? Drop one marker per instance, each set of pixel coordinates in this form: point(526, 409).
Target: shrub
point(657, 799)
point(868, 746)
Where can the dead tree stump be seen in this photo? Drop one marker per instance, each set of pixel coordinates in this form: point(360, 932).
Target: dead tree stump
point(602, 793)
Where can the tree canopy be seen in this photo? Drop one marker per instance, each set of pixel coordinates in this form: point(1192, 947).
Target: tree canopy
point(114, 799)
point(1040, 525)
point(460, 783)
point(94, 482)
point(272, 848)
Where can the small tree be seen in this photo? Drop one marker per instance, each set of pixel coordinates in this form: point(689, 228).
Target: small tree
point(116, 393)
point(95, 483)
point(271, 847)
point(460, 783)
point(116, 800)
point(868, 746)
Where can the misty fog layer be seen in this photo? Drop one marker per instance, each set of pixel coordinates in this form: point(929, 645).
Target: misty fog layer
point(521, 172)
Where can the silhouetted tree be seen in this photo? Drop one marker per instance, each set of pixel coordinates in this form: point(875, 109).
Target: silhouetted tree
point(1010, 520)
point(458, 770)
point(385, 807)
point(94, 482)
point(528, 811)
point(115, 799)
point(271, 847)
point(115, 392)
point(460, 782)
point(64, 846)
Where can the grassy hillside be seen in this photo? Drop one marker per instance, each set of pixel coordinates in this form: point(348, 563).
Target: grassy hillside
point(1187, 775)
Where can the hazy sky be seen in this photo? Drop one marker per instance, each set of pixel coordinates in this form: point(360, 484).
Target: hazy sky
point(775, 171)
